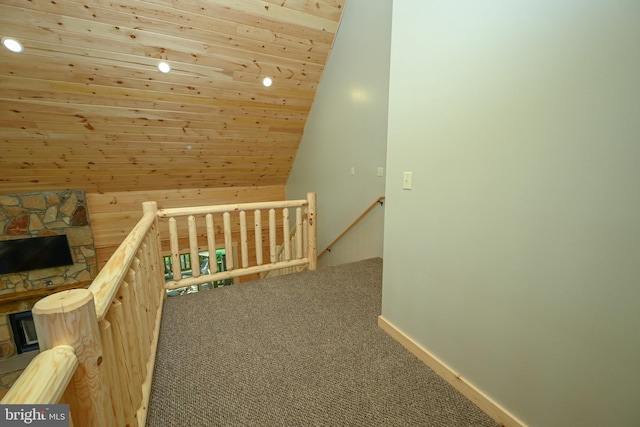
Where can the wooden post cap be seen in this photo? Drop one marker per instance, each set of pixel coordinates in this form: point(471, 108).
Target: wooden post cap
point(64, 301)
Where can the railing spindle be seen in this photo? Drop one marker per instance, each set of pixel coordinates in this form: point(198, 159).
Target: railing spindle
point(243, 239)
point(211, 242)
point(285, 232)
point(140, 263)
point(106, 336)
point(298, 235)
point(124, 386)
point(313, 230)
point(133, 337)
point(305, 237)
point(193, 247)
point(257, 225)
point(273, 251)
point(175, 249)
point(143, 311)
point(226, 219)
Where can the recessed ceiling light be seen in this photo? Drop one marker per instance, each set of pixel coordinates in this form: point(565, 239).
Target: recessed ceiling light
point(164, 67)
point(267, 81)
point(12, 44)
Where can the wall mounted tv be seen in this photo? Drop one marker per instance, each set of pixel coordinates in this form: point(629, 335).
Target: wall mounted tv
point(34, 253)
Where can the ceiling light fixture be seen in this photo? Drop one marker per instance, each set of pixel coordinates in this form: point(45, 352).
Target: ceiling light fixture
point(267, 81)
point(12, 44)
point(164, 67)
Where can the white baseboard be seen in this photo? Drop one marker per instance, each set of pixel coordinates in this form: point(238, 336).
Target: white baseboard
point(484, 402)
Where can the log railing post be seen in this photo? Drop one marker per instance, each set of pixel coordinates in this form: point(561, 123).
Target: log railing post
point(257, 231)
point(69, 318)
point(298, 233)
point(244, 244)
point(106, 336)
point(193, 246)
point(211, 242)
point(133, 327)
point(228, 240)
point(124, 383)
point(312, 232)
point(175, 249)
point(305, 236)
point(273, 255)
point(286, 234)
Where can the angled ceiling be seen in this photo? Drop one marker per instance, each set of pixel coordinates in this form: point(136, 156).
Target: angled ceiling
point(85, 106)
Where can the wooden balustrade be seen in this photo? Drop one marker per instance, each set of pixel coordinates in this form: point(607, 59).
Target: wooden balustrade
point(298, 239)
point(98, 344)
point(299, 247)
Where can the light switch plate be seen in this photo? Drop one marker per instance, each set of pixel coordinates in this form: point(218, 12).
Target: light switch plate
point(406, 181)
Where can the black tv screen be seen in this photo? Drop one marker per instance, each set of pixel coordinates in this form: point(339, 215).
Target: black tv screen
point(34, 253)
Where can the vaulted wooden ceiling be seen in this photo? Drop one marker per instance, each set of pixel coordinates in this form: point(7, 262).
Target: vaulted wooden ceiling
point(85, 107)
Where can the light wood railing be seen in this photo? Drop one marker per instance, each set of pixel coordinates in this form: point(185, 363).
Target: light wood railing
point(296, 234)
point(52, 370)
point(297, 252)
point(98, 344)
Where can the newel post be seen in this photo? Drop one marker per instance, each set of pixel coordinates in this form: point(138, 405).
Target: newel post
point(69, 318)
point(313, 231)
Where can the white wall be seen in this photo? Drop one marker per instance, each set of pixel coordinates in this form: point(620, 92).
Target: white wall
point(516, 256)
point(347, 127)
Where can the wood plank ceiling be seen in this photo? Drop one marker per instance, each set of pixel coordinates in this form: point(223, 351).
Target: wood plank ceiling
point(85, 107)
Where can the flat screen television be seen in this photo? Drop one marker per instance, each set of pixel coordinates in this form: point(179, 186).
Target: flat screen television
point(34, 253)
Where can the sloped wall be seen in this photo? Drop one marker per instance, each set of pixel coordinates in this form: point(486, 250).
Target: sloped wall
point(344, 141)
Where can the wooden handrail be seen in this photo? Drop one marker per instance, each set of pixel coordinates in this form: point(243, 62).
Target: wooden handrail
point(198, 210)
point(346, 230)
point(45, 379)
point(107, 282)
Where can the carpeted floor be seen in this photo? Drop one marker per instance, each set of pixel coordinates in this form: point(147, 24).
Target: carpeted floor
point(297, 350)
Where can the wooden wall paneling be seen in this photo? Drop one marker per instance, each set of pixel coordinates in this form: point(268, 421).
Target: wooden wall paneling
point(120, 28)
point(113, 215)
point(85, 107)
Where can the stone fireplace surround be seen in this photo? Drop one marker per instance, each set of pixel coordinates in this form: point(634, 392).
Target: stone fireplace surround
point(35, 215)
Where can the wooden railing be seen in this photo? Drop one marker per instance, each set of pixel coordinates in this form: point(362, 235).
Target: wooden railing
point(98, 344)
point(281, 254)
point(299, 252)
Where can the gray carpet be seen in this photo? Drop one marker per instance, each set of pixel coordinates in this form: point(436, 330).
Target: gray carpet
point(297, 350)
